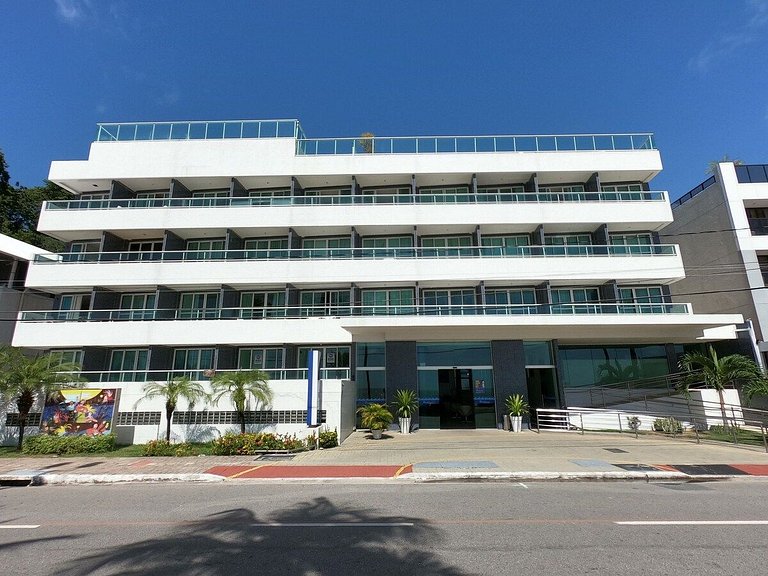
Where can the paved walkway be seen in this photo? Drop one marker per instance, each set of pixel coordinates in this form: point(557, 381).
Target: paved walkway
point(427, 455)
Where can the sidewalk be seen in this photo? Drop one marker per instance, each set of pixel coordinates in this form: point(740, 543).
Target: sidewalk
point(428, 455)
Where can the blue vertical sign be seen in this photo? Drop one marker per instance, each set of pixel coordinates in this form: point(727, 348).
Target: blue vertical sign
point(313, 386)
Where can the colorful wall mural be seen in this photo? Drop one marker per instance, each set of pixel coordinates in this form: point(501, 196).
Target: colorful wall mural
point(78, 411)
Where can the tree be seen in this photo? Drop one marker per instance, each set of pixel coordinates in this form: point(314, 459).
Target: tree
point(20, 209)
point(755, 388)
point(239, 386)
point(719, 373)
point(26, 380)
point(712, 164)
point(366, 142)
point(171, 391)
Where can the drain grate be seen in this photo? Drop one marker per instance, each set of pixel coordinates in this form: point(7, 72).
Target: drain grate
point(616, 450)
point(275, 457)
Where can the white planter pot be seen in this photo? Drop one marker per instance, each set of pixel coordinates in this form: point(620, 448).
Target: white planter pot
point(405, 425)
point(377, 434)
point(516, 422)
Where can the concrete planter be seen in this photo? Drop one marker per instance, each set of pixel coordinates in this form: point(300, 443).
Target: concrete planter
point(405, 425)
point(516, 422)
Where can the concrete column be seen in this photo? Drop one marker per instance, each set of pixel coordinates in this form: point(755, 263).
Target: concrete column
point(508, 359)
point(400, 363)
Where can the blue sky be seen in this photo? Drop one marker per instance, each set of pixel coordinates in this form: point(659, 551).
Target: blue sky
point(695, 72)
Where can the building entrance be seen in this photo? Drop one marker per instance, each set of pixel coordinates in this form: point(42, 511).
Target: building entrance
point(457, 401)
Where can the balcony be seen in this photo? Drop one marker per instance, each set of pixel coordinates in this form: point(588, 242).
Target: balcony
point(166, 374)
point(473, 144)
point(384, 199)
point(289, 312)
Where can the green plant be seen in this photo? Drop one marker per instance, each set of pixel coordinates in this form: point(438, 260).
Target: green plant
point(375, 416)
point(171, 391)
point(241, 385)
point(405, 403)
point(516, 405)
point(247, 444)
point(26, 380)
point(65, 445)
point(720, 373)
point(328, 438)
point(668, 425)
point(633, 422)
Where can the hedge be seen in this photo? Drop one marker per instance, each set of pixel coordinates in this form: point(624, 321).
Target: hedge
point(63, 445)
point(246, 444)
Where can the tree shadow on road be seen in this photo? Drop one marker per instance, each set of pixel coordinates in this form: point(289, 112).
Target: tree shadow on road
point(290, 542)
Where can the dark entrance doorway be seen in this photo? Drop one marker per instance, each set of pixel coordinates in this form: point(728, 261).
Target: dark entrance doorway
point(457, 399)
point(542, 390)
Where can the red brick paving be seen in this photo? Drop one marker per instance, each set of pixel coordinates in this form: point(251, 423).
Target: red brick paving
point(752, 469)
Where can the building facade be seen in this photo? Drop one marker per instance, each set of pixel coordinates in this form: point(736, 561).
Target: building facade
point(464, 268)
point(721, 227)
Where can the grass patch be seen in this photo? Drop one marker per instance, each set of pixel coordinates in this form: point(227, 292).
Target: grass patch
point(718, 433)
point(120, 451)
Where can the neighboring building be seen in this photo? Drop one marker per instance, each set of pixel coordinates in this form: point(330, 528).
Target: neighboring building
point(721, 227)
point(14, 259)
point(465, 268)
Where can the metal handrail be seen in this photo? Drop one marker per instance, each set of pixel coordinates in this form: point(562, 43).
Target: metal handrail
point(342, 373)
point(297, 312)
point(546, 251)
point(197, 130)
point(342, 199)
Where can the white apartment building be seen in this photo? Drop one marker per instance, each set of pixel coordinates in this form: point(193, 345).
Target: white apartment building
point(464, 268)
point(722, 228)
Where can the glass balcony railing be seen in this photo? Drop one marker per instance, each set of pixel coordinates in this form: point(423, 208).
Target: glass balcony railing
point(459, 144)
point(333, 200)
point(165, 374)
point(288, 312)
point(571, 251)
point(200, 130)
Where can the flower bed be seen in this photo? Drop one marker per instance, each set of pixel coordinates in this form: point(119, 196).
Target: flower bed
point(247, 444)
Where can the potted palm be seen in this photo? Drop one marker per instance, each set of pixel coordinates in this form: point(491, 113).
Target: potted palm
point(516, 406)
point(405, 405)
point(376, 417)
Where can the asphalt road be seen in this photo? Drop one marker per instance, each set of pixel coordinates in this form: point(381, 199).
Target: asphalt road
point(394, 529)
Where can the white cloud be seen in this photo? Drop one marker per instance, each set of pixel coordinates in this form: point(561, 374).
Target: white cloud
point(725, 44)
point(70, 11)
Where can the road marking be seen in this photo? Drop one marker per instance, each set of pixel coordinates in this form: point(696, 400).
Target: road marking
point(331, 524)
point(694, 523)
point(19, 526)
point(400, 470)
point(238, 474)
point(523, 485)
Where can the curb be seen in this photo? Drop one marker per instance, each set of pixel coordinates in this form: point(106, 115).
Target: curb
point(70, 479)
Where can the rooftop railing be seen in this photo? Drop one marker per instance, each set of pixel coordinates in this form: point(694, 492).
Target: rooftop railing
point(473, 144)
point(201, 130)
point(557, 251)
point(338, 311)
point(166, 374)
point(482, 197)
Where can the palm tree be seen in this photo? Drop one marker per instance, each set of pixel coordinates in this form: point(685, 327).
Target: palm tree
point(25, 380)
point(756, 388)
point(171, 391)
point(712, 164)
point(238, 386)
point(720, 373)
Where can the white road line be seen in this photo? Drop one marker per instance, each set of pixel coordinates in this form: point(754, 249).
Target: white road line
point(331, 524)
point(523, 485)
point(694, 523)
point(19, 526)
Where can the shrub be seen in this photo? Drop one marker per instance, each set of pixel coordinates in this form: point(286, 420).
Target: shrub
point(667, 425)
point(65, 445)
point(164, 448)
point(311, 441)
point(246, 444)
point(328, 438)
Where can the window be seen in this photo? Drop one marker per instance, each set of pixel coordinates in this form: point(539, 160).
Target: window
point(370, 373)
point(568, 239)
point(83, 251)
point(128, 365)
point(205, 249)
point(262, 304)
point(326, 247)
point(509, 300)
point(329, 196)
point(137, 306)
point(78, 304)
point(265, 198)
point(325, 303)
point(260, 359)
point(505, 194)
point(145, 250)
point(152, 195)
point(503, 245)
point(442, 246)
point(67, 356)
point(151, 199)
point(630, 243)
point(199, 305)
point(564, 193)
point(266, 248)
point(334, 360)
point(387, 196)
point(389, 246)
point(210, 198)
point(386, 302)
point(193, 362)
point(449, 302)
point(452, 195)
point(641, 295)
point(574, 300)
